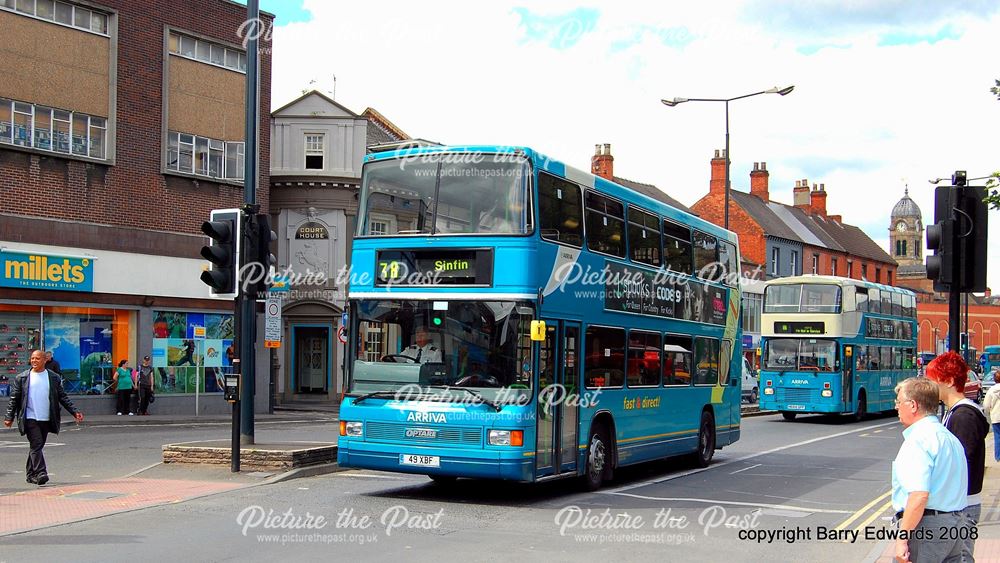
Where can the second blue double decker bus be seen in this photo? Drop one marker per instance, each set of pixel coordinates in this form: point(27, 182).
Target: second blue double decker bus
point(835, 345)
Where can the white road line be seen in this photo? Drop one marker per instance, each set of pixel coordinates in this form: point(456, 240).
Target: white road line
point(736, 503)
point(744, 469)
point(739, 459)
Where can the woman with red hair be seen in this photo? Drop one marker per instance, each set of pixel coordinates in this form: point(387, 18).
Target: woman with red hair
point(967, 422)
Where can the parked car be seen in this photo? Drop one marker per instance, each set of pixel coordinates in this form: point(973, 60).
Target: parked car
point(974, 388)
point(751, 386)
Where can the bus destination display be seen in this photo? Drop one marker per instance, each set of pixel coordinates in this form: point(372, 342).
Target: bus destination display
point(816, 327)
point(434, 267)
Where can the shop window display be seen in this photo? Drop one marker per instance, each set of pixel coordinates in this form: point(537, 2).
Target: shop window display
point(19, 335)
point(192, 352)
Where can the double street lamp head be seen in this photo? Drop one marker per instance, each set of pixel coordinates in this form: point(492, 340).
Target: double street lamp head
point(780, 91)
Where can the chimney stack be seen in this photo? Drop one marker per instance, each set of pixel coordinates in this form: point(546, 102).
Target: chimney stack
point(817, 200)
point(800, 194)
point(602, 163)
point(759, 180)
point(717, 185)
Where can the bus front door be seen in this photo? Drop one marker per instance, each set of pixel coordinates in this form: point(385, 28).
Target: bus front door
point(558, 403)
point(847, 383)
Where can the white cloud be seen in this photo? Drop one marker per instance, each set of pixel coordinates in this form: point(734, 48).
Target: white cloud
point(864, 118)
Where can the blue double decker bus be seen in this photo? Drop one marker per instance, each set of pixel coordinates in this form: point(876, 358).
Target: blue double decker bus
point(835, 345)
point(511, 317)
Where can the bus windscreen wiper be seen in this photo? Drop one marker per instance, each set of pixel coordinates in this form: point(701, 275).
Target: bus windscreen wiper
point(375, 394)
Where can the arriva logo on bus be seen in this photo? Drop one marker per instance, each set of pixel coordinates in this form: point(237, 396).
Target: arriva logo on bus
point(42, 271)
point(426, 417)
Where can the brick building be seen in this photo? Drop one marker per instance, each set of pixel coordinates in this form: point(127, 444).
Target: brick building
point(788, 240)
point(116, 140)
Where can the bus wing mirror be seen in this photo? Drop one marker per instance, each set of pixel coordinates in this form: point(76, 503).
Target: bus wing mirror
point(537, 331)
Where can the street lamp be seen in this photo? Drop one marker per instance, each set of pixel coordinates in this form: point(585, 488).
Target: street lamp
point(780, 91)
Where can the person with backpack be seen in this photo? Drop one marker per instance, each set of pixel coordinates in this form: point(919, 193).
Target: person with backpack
point(965, 419)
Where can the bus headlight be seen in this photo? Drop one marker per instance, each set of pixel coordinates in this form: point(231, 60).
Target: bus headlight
point(826, 393)
point(769, 390)
point(506, 438)
point(351, 428)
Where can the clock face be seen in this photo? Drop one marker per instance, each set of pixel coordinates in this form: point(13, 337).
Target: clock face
point(901, 226)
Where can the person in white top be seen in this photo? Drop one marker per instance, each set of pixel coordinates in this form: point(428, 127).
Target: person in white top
point(423, 350)
point(35, 397)
point(991, 407)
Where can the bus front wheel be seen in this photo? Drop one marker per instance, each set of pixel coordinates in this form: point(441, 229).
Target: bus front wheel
point(443, 480)
point(597, 459)
point(788, 415)
point(706, 440)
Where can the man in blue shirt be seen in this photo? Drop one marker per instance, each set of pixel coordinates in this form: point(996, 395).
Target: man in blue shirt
point(929, 479)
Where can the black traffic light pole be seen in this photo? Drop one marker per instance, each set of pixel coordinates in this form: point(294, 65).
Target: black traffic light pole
point(246, 304)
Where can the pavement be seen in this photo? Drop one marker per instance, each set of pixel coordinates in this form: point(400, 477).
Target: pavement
point(988, 544)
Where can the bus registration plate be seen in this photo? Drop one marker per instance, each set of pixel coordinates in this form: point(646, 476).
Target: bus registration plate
point(420, 460)
point(795, 407)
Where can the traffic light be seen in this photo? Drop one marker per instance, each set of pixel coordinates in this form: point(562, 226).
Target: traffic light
point(940, 239)
point(971, 224)
point(223, 251)
point(958, 234)
point(964, 337)
point(262, 251)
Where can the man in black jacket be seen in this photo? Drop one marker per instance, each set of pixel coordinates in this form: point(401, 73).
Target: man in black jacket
point(35, 397)
point(967, 422)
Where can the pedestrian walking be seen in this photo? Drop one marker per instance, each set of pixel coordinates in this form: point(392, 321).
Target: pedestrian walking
point(991, 407)
point(966, 421)
point(35, 398)
point(146, 386)
point(929, 479)
point(124, 384)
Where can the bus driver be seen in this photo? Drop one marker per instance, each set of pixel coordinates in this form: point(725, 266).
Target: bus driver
point(423, 349)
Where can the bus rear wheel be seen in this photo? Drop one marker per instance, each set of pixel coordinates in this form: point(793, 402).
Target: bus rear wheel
point(788, 415)
point(706, 440)
point(597, 459)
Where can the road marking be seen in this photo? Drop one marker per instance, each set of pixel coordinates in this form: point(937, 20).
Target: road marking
point(744, 469)
point(735, 503)
point(739, 459)
point(862, 510)
point(878, 512)
point(877, 431)
point(6, 444)
point(865, 435)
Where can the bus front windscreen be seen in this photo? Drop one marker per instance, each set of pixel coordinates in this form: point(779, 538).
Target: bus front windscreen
point(798, 354)
point(446, 193)
point(802, 298)
point(436, 347)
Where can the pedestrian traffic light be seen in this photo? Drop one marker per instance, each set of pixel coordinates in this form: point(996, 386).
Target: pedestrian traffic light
point(940, 239)
point(262, 248)
point(223, 250)
point(965, 341)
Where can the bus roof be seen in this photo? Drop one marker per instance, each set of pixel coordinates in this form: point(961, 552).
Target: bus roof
point(835, 280)
point(542, 161)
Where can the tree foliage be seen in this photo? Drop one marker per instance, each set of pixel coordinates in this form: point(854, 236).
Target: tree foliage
point(993, 199)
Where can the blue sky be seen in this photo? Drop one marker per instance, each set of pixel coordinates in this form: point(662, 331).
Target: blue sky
point(888, 93)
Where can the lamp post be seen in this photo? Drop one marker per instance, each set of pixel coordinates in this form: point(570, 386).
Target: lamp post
point(780, 91)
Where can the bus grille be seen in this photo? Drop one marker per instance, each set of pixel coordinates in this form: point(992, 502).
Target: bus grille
point(456, 436)
point(797, 395)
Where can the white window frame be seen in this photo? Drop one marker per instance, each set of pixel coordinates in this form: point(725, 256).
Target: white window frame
point(775, 258)
point(58, 119)
point(314, 148)
point(81, 18)
point(815, 263)
point(207, 52)
point(795, 258)
point(388, 220)
point(213, 155)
